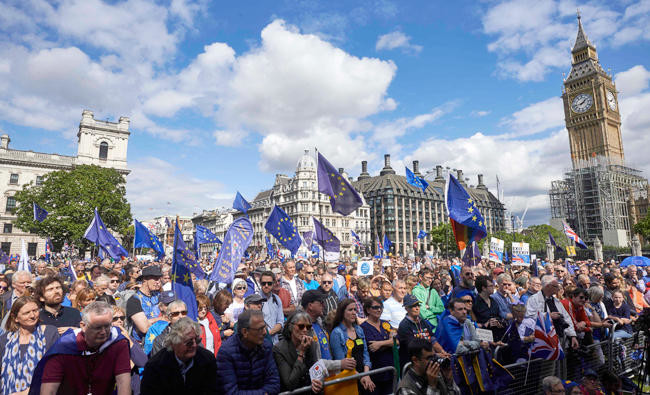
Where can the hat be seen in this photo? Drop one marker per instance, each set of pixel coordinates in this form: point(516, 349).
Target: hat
point(590, 373)
point(332, 265)
point(167, 297)
point(569, 384)
point(313, 295)
point(150, 271)
point(299, 265)
point(410, 301)
point(497, 270)
point(276, 271)
point(254, 298)
point(341, 267)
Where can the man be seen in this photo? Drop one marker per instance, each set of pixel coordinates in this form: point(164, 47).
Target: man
point(545, 301)
point(503, 297)
point(584, 281)
point(552, 385)
point(91, 360)
point(49, 292)
point(285, 296)
point(245, 360)
point(394, 312)
point(332, 271)
point(113, 283)
point(456, 333)
point(426, 376)
point(331, 301)
point(312, 304)
point(291, 282)
point(183, 367)
point(101, 287)
point(534, 285)
point(561, 273)
point(19, 283)
point(142, 308)
point(590, 384)
point(166, 279)
point(413, 327)
point(272, 306)
point(166, 298)
point(386, 290)
point(40, 268)
point(466, 286)
point(612, 284)
point(363, 293)
point(176, 310)
point(309, 281)
point(431, 304)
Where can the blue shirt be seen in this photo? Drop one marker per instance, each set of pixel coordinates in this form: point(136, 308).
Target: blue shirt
point(503, 303)
point(273, 314)
point(313, 284)
point(340, 350)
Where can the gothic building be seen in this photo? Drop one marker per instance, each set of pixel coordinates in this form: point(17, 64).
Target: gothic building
point(100, 143)
point(593, 197)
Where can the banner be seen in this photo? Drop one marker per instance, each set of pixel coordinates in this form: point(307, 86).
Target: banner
point(496, 250)
point(238, 237)
point(520, 254)
point(332, 256)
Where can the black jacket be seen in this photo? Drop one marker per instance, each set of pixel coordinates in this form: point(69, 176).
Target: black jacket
point(162, 375)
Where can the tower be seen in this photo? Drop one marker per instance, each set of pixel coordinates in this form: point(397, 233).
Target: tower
point(591, 107)
point(103, 143)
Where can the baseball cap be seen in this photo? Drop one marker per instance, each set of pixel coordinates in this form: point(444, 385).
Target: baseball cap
point(254, 298)
point(590, 373)
point(167, 297)
point(313, 295)
point(497, 270)
point(341, 267)
point(410, 301)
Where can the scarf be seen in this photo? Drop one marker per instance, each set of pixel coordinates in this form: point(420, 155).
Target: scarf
point(17, 367)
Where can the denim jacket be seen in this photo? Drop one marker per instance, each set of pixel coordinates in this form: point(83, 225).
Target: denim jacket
point(338, 338)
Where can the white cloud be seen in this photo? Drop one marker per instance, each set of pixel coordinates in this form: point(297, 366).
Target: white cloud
point(536, 117)
point(395, 40)
point(633, 81)
point(480, 113)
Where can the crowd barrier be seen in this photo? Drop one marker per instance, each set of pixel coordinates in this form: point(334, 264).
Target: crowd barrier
point(357, 376)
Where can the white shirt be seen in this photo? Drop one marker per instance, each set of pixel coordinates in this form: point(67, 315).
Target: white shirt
point(292, 285)
point(209, 339)
point(537, 303)
point(394, 312)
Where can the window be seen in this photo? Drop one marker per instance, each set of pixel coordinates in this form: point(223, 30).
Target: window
point(11, 204)
point(5, 247)
point(13, 179)
point(31, 249)
point(103, 150)
point(39, 180)
point(7, 228)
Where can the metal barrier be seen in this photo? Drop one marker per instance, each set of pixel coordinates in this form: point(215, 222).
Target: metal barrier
point(353, 377)
point(528, 376)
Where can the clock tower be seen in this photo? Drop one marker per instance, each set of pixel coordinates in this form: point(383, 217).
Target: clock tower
point(591, 107)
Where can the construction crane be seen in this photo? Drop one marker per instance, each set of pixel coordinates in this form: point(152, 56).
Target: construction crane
point(520, 221)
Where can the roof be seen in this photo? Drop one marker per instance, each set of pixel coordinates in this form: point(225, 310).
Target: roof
point(582, 41)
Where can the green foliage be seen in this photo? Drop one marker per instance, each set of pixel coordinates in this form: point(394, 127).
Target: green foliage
point(535, 235)
point(643, 227)
point(70, 198)
point(442, 236)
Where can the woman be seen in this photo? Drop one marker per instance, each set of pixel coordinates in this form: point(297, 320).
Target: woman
point(220, 303)
point(485, 309)
point(348, 340)
point(22, 345)
point(74, 290)
point(84, 297)
point(210, 336)
point(411, 281)
point(239, 288)
point(296, 353)
point(597, 313)
point(379, 335)
point(620, 313)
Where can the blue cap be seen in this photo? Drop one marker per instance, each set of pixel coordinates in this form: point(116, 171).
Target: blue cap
point(341, 267)
point(569, 384)
point(167, 297)
point(410, 301)
point(299, 265)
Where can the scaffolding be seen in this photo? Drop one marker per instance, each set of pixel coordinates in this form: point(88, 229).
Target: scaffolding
point(593, 199)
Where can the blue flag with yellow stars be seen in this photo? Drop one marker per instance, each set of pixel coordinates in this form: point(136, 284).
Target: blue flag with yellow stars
point(192, 263)
point(269, 248)
point(238, 238)
point(39, 213)
point(416, 181)
point(145, 239)
point(280, 226)
point(240, 203)
point(203, 235)
point(343, 198)
point(99, 234)
point(181, 278)
point(325, 237)
point(466, 219)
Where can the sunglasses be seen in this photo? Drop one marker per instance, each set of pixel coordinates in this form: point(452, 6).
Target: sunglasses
point(309, 272)
point(467, 300)
point(239, 288)
point(119, 318)
point(327, 282)
point(115, 281)
point(4, 288)
point(193, 341)
point(177, 313)
point(266, 283)
point(302, 327)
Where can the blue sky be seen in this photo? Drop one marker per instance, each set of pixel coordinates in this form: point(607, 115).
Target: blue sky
point(223, 96)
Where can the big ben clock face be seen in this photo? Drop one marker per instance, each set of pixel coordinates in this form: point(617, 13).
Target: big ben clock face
point(611, 100)
point(582, 103)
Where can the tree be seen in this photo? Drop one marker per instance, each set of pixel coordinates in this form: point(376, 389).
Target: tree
point(643, 227)
point(70, 197)
point(442, 236)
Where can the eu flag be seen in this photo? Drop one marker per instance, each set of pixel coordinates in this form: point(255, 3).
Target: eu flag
point(422, 234)
point(326, 238)
point(472, 255)
point(552, 240)
point(4, 258)
point(269, 248)
point(39, 213)
point(343, 198)
point(416, 181)
point(280, 226)
point(181, 278)
point(98, 234)
point(203, 235)
point(238, 238)
point(387, 244)
point(240, 203)
point(145, 239)
point(466, 219)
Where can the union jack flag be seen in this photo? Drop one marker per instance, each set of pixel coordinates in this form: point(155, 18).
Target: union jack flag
point(547, 342)
point(571, 234)
point(356, 239)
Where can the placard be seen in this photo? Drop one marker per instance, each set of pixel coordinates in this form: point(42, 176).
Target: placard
point(365, 268)
point(496, 250)
point(484, 335)
point(520, 254)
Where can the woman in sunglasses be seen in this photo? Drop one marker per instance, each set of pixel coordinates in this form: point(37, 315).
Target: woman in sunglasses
point(296, 352)
point(379, 335)
point(239, 288)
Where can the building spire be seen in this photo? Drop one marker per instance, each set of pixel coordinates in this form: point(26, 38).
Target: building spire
point(582, 41)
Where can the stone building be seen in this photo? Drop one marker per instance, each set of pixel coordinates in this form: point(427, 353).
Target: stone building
point(298, 196)
point(165, 233)
point(400, 210)
point(100, 143)
point(218, 222)
point(593, 197)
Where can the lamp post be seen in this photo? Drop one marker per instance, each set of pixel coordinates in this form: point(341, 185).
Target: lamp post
point(512, 221)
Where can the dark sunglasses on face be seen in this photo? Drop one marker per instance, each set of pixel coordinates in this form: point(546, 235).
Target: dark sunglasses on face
point(177, 313)
point(239, 288)
point(267, 283)
point(115, 281)
point(309, 272)
point(327, 282)
point(191, 342)
point(4, 288)
point(302, 327)
point(118, 318)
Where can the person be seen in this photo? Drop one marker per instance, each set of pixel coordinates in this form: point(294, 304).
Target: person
point(210, 336)
point(309, 281)
point(379, 335)
point(220, 303)
point(485, 309)
point(136, 353)
point(23, 344)
point(425, 375)
point(590, 385)
point(331, 299)
point(93, 359)
point(245, 360)
point(155, 329)
point(430, 303)
point(291, 282)
point(456, 334)
point(619, 311)
point(393, 311)
point(285, 296)
point(503, 297)
point(113, 283)
point(19, 283)
point(598, 316)
point(413, 327)
point(348, 340)
point(272, 306)
point(239, 288)
point(49, 292)
point(552, 385)
point(386, 290)
point(575, 306)
point(466, 286)
point(73, 290)
point(142, 308)
point(183, 367)
point(534, 285)
point(175, 311)
point(84, 297)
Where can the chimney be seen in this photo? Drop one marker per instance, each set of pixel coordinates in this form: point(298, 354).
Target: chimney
point(364, 170)
point(439, 176)
point(416, 167)
point(340, 170)
point(387, 169)
point(460, 177)
point(4, 141)
point(480, 182)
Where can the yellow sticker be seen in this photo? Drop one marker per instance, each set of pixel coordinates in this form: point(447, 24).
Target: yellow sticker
point(359, 342)
point(386, 326)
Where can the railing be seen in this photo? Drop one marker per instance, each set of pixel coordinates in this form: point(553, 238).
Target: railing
point(344, 379)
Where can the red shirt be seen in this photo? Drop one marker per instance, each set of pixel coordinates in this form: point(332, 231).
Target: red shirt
point(577, 314)
point(285, 297)
point(75, 372)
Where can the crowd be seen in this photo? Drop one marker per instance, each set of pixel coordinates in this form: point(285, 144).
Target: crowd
point(119, 326)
